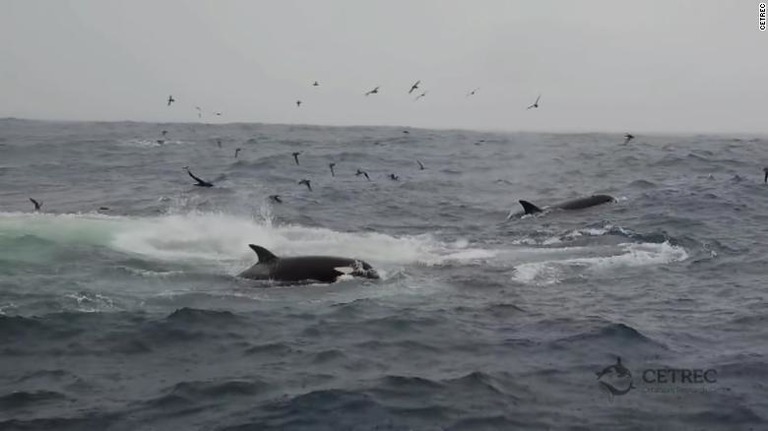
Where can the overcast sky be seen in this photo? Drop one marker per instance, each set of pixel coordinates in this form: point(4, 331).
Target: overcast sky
point(600, 65)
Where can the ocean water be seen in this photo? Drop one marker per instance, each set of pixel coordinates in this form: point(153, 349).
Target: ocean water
point(120, 308)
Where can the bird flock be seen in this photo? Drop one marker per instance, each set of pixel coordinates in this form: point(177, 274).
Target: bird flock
point(360, 172)
point(375, 90)
point(199, 182)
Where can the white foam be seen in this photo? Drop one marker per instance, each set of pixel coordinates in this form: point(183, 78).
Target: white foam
point(635, 254)
point(222, 239)
point(147, 143)
point(630, 255)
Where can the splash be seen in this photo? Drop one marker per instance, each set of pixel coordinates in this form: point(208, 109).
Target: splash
point(554, 270)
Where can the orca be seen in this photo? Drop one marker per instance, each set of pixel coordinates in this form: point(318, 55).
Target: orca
point(574, 204)
point(324, 269)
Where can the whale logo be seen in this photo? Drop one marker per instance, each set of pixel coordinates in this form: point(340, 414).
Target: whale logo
point(615, 379)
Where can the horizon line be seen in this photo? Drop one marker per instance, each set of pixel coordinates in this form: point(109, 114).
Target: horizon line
point(458, 129)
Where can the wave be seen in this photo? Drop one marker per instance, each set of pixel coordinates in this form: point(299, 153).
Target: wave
point(552, 271)
point(22, 399)
point(186, 393)
point(221, 240)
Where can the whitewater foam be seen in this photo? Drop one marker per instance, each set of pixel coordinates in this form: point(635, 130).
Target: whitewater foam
point(630, 255)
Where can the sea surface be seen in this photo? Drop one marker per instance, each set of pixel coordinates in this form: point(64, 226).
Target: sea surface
point(120, 308)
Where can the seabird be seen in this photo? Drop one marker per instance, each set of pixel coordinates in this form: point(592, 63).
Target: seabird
point(393, 177)
point(420, 96)
point(296, 156)
point(421, 165)
point(237, 150)
point(316, 84)
point(306, 183)
point(200, 182)
point(374, 91)
point(218, 114)
point(103, 208)
point(414, 86)
point(298, 103)
point(199, 112)
point(276, 198)
point(766, 174)
point(170, 100)
point(536, 103)
point(628, 138)
point(36, 203)
point(331, 165)
point(164, 132)
point(472, 93)
point(218, 142)
point(160, 141)
point(406, 132)
point(362, 172)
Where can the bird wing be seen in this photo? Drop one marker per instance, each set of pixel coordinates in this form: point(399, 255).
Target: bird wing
point(537, 100)
point(199, 181)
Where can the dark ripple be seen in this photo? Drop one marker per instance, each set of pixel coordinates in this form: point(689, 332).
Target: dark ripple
point(188, 393)
point(318, 410)
point(642, 184)
point(609, 335)
point(209, 328)
point(22, 399)
point(88, 421)
point(192, 317)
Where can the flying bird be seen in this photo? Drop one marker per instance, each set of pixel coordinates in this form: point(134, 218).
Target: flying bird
point(393, 177)
point(276, 198)
point(420, 96)
point(164, 132)
point(362, 172)
point(200, 182)
point(628, 138)
point(170, 100)
point(298, 103)
point(237, 150)
point(296, 156)
point(218, 114)
point(536, 103)
point(374, 91)
point(306, 183)
point(36, 204)
point(316, 84)
point(331, 165)
point(218, 142)
point(421, 165)
point(766, 174)
point(472, 93)
point(199, 112)
point(414, 86)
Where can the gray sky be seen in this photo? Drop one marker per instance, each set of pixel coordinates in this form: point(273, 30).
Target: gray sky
point(601, 65)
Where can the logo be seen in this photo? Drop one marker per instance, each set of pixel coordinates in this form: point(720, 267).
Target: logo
point(616, 379)
point(761, 16)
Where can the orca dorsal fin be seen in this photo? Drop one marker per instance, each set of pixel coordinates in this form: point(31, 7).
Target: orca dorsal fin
point(265, 255)
point(529, 207)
